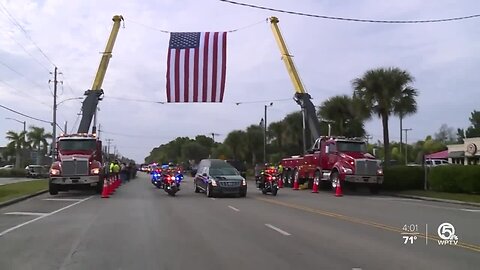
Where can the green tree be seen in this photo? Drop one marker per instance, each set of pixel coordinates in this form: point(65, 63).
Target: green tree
point(384, 91)
point(38, 140)
point(222, 151)
point(474, 129)
point(293, 138)
point(347, 119)
point(255, 142)
point(445, 134)
point(193, 150)
point(237, 142)
point(276, 134)
point(17, 142)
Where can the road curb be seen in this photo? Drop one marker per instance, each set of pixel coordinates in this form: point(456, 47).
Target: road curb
point(19, 199)
point(434, 199)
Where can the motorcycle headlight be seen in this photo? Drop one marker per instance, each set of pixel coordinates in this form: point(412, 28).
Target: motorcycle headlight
point(55, 172)
point(214, 183)
point(95, 171)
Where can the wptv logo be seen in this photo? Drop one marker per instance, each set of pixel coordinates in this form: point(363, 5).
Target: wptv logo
point(446, 232)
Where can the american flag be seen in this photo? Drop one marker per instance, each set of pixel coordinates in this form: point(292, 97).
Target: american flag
point(196, 67)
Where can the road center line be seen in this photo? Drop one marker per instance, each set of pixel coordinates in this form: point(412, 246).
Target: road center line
point(233, 208)
point(40, 217)
point(62, 199)
point(277, 229)
point(472, 247)
point(26, 213)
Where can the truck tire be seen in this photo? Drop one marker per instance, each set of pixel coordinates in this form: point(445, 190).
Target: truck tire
point(52, 189)
point(334, 180)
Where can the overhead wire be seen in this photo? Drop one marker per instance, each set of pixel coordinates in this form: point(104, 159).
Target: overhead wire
point(352, 19)
point(12, 19)
point(168, 32)
point(25, 94)
point(25, 115)
point(20, 74)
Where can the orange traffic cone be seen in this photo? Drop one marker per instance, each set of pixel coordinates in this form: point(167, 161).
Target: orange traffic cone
point(295, 184)
point(111, 187)
point(116, 184)
point(338, 191)
point(280, 182)
point(105, 192)
point(315, 186)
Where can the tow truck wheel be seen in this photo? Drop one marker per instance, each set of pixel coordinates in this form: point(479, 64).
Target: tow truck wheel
point(335, 180)
point(52, 189)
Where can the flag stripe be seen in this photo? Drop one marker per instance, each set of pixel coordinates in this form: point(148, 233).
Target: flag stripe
point(205, 67)
point(185, 74)
point(214, 67)
point(191, 64)
point(195, 76)
point(224, 65)
point(181, 75)
point(177, 75)
point(168, 77)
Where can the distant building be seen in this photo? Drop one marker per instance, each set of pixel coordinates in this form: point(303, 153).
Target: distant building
point(467, 153)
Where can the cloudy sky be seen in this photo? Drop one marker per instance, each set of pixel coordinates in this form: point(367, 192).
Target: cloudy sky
point(444, 58)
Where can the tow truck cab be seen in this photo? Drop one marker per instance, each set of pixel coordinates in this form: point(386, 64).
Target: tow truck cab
point(78, 163)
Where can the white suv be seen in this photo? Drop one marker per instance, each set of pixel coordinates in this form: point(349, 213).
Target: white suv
point(436, 162)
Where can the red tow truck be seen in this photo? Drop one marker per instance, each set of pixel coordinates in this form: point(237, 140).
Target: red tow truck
point(334, 160)
point(78, 163)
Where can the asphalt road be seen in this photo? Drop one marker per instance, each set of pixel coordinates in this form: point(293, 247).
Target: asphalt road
point(141, 227)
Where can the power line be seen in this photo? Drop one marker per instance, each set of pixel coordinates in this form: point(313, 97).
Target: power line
point(353, 19)
point(22, 114)
point(12, 19)
point(17, 72)
point(168, 32)
point(26, 94)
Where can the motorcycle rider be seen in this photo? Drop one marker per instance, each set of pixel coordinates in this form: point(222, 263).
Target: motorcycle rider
point(262, 178)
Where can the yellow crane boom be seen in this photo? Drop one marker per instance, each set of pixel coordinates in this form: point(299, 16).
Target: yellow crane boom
point(90, 103)
point(301, 96)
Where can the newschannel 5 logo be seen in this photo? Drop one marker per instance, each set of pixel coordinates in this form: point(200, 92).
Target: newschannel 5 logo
point(446, 232)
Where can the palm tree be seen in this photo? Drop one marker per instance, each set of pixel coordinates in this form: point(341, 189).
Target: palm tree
point(276, 131)
point(385, 91)
point(344, 113)
point(38, 139)
point(255, 142)
point(17, 141)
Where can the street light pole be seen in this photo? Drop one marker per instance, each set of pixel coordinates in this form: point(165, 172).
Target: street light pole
point(265, 134)
point(22, 122)
point(406, 143)
point(54, 133)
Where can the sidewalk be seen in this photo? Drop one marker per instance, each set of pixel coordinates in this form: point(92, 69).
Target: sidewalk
point(8, 180)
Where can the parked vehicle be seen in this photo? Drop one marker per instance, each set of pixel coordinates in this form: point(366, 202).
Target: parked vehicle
point(436, 162)
point(333, 161)
point(36, 171)
point(217, 177)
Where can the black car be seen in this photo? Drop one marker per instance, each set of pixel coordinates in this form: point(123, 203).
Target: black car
point(217, 177)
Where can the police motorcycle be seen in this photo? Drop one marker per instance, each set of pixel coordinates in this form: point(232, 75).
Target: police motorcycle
point(156, 177)
point(268, 181)
point(172, 177)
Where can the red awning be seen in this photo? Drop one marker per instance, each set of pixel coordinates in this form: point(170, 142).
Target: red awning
point(439, 155)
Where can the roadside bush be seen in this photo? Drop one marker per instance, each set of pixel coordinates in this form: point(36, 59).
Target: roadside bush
point(403, 178)
point(455, 178)
point(13, 173)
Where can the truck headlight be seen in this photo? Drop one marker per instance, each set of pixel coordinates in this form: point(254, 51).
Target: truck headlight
point(95, 171)
point(54, 172)
point(347, 170)
point(380, 171)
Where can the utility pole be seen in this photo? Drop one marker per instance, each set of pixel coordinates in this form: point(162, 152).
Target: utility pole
point(99, 129)
point(54, 133)
point(66, 132)
point(265, 134)
point(401, 133)
point(109, 141)
point(406, 143)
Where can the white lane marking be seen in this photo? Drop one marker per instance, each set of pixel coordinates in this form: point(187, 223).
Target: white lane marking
point(418, 202)
point(40, 217)
point(356, 268)
point(62, 199)
point(213, 199)
point(26, 213)
point(277, 229)
point(233, 208)
point(471, 210)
